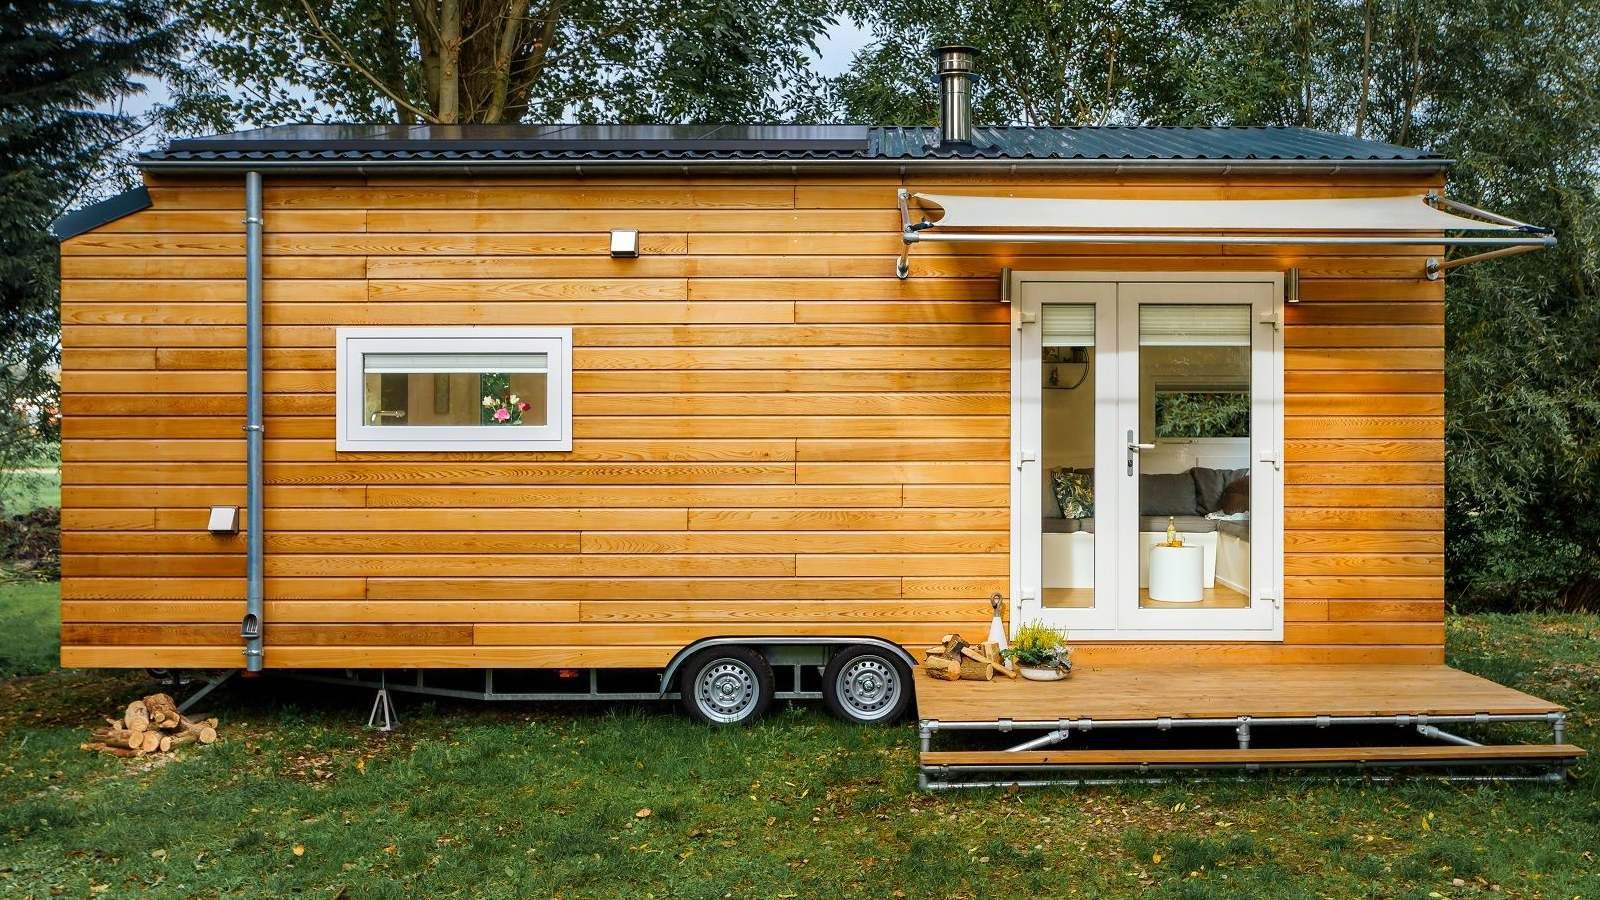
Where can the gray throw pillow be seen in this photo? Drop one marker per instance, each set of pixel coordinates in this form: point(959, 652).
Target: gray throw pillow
point(1208, 485)
point(1168, 495)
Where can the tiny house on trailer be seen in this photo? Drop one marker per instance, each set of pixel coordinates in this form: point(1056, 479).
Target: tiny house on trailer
point(703, 401)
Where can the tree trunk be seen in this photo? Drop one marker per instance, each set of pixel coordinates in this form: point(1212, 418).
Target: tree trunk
point(1366, 69)
point(449, 108)
point(505, 48)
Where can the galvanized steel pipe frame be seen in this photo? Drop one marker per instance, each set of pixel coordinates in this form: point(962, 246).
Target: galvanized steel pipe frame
point(250, 629)
point(1059, 729)
point(1554, 775)
point(1556, 720)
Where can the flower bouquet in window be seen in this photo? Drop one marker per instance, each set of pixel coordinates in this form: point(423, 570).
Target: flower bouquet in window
point(504, 410)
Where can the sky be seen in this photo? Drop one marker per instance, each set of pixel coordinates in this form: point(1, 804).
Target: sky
point(837, 48)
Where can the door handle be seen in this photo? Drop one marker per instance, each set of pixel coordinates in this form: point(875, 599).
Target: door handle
point(1134, 447)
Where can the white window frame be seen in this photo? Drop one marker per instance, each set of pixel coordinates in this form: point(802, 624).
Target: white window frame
point(1109, 619)
point(354, 434)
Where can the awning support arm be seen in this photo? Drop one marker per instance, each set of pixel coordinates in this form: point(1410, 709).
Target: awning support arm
point(1441, 201)
point(1437, 268)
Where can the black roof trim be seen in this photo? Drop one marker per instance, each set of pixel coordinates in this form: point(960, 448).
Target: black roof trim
point(539, 146)
point(94, 215)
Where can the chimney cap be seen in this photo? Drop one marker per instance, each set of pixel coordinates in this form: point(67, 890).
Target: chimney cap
point(950, 55)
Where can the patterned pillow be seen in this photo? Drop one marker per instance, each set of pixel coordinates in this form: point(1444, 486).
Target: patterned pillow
point(1074, 489)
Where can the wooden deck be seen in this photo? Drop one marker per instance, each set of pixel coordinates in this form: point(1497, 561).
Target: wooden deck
point(1201, 692)
point(1303, 702)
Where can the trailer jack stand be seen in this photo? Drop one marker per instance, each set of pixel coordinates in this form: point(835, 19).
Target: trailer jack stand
point(383, 717)
point(210, 685)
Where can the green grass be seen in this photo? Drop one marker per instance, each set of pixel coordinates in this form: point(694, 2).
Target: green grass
point(22, 491)
point(30, 621)
point(504, 801)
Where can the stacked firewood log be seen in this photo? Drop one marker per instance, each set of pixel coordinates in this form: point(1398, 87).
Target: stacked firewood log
point(955, 659)
point(150, 725)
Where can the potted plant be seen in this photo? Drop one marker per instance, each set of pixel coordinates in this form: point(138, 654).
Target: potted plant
point(1041, 652)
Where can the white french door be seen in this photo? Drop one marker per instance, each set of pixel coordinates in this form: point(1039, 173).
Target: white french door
point(1143, 404)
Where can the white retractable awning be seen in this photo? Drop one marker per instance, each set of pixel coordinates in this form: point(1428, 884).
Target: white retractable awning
point(1356, 214)
point(1418, 219)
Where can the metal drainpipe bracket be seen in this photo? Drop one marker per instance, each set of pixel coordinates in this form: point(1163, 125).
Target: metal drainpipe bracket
point(1433, 270)
point(902, 266)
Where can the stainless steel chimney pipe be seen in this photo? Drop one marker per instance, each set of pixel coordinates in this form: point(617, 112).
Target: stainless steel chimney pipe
point(955, 93)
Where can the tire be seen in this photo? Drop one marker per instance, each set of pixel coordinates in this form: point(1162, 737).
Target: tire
point(867, 685)
point(726, 686)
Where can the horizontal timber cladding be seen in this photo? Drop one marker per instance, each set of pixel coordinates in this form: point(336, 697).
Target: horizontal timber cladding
point(771, 433)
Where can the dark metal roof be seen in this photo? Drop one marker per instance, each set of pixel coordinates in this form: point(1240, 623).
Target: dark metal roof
point(315, 146)
point(96, 214)
point(541, 142)
point(1140, 143)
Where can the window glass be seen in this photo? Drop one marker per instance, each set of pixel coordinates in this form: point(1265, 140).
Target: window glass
point(492, 390)
point(1067, 385)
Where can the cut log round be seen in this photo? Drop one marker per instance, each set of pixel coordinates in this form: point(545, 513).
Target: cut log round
point(152, 742)
point(178, 740)
point(205, 731)
point(120, 737)
point(163, 710)
point(941, 668)
point(975, 670)
point(136, 717)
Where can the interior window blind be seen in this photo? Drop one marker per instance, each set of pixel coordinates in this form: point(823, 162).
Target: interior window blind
point(1194, 325)
point(1069, 325)
point(454, 362)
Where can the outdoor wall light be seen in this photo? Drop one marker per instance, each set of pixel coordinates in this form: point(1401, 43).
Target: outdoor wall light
point(624, 243)
point(224, 520)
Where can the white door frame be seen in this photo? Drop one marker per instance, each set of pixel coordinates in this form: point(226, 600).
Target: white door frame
point(1115, 616)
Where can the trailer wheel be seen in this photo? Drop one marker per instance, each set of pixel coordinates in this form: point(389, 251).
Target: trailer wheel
point(866, 685)
point(727, 686)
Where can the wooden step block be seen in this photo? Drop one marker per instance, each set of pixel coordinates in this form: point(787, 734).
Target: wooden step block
point(1281, 756)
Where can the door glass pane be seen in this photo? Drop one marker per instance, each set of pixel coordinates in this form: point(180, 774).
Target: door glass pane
point(493, 390)
point(1067, 458)
point(1194, 463)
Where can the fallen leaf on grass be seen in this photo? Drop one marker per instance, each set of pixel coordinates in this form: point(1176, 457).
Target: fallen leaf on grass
point(299, 850)
point(643, 813)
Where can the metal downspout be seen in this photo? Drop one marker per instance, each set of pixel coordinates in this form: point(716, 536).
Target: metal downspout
point(250, 628)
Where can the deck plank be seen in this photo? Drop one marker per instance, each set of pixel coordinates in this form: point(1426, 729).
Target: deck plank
point(1143, 692)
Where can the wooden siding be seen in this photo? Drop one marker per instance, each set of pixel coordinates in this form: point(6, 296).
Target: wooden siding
point(772, 434)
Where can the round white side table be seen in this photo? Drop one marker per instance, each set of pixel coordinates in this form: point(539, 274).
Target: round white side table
point(1177, 574)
